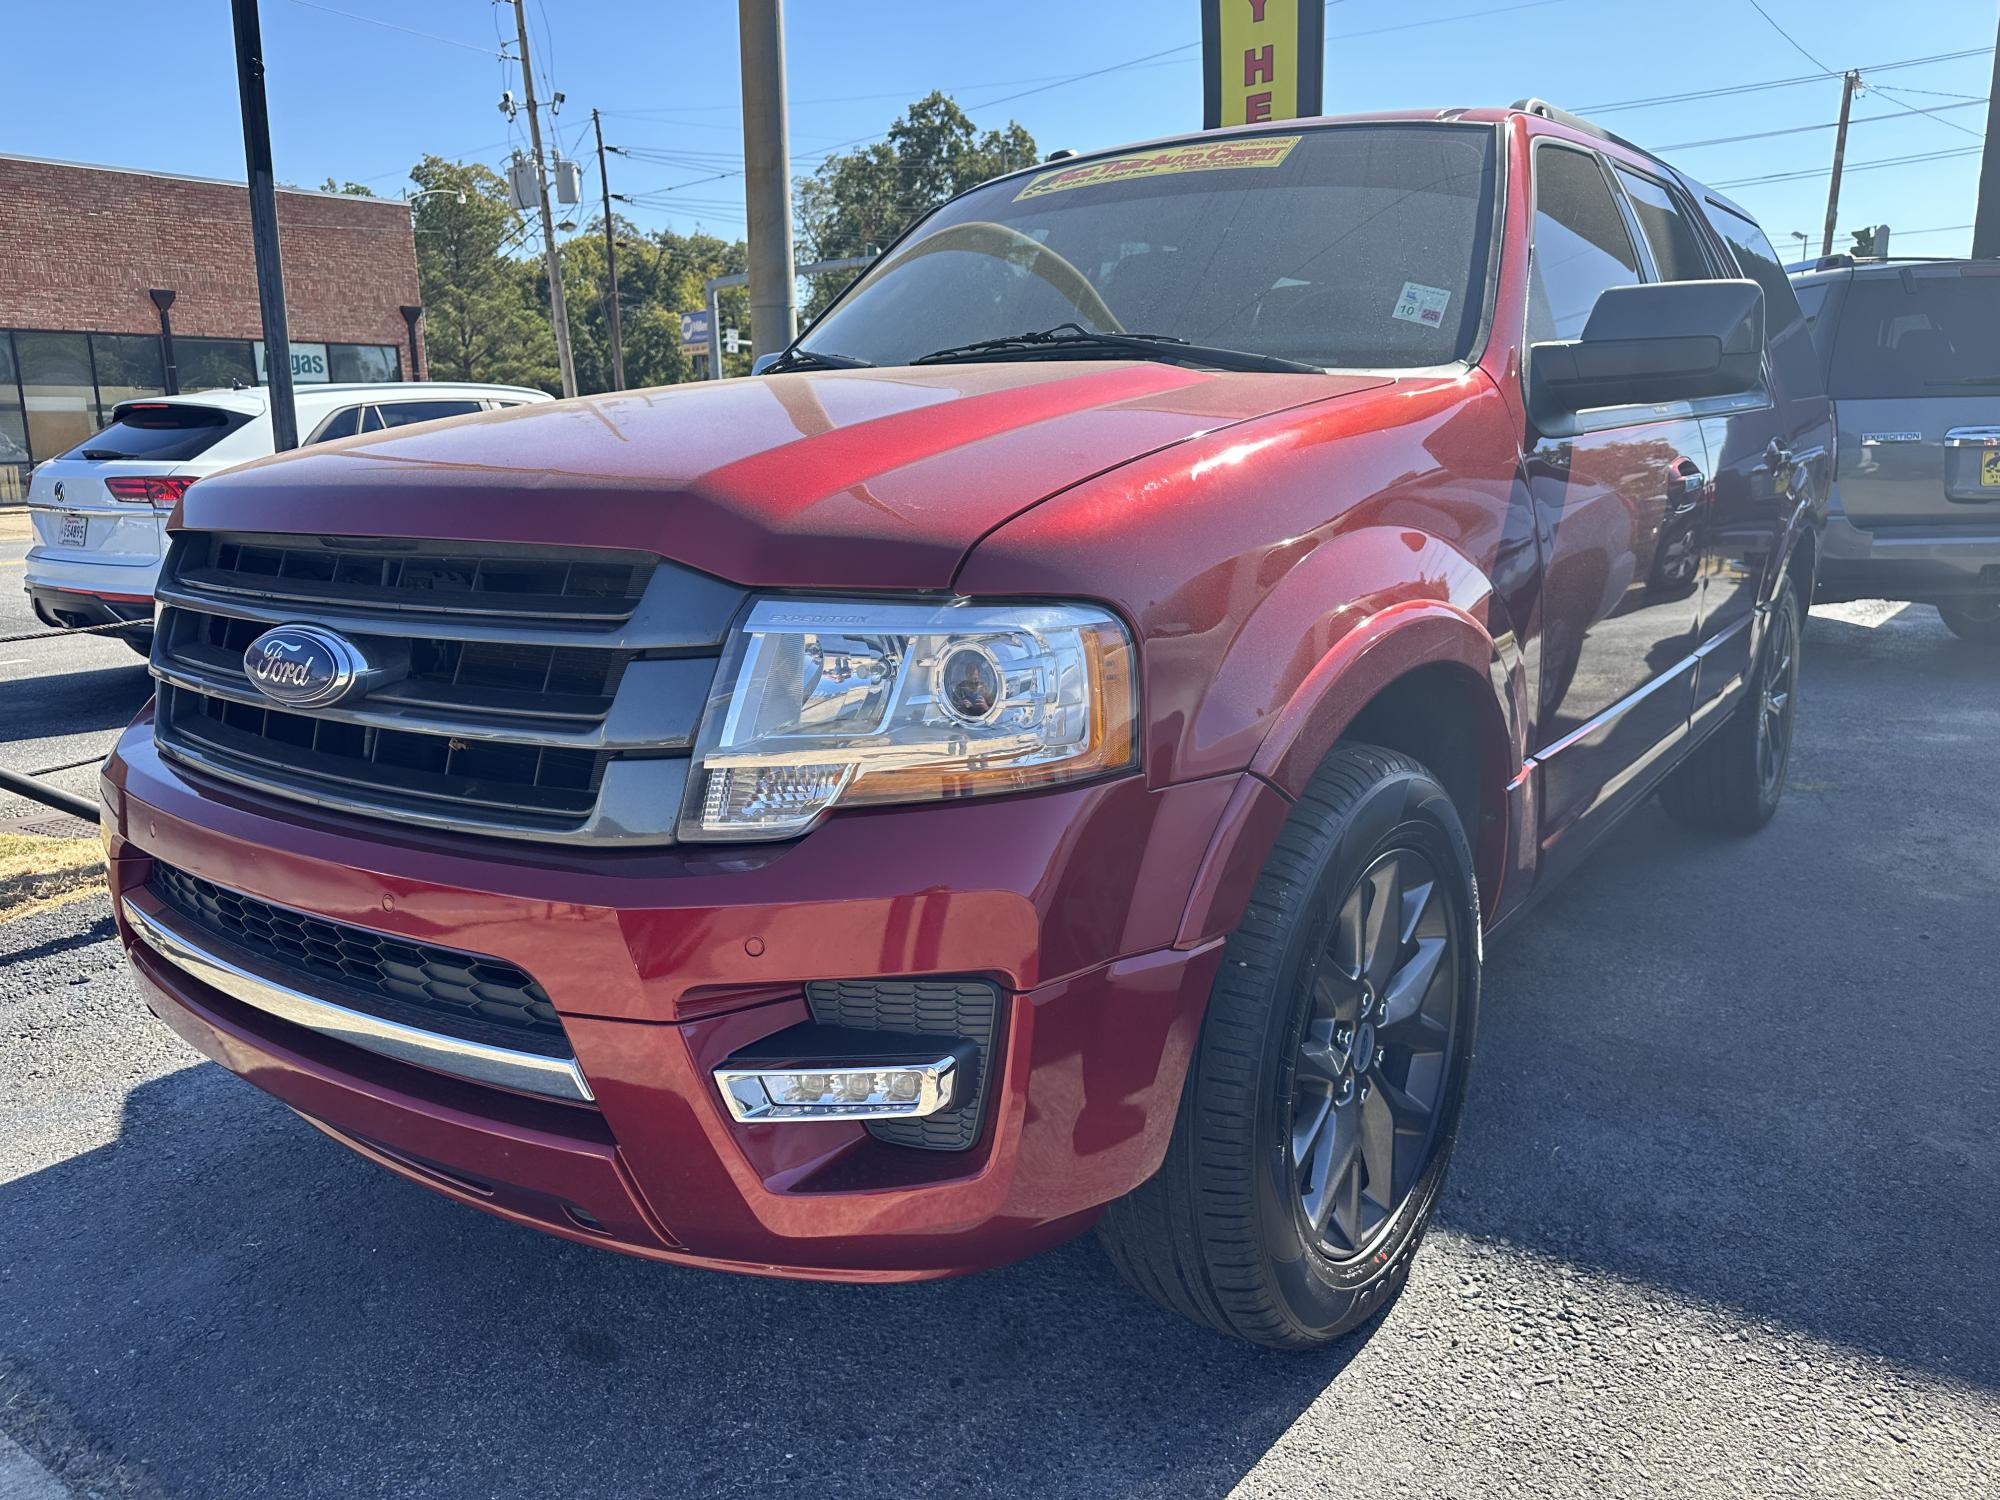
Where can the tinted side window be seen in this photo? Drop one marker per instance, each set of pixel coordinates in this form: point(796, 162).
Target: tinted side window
point(1761, 264)
point(343, 423)
point(1812, 302)
point(402, 413)
point(1581, 246)
point(1675, 244)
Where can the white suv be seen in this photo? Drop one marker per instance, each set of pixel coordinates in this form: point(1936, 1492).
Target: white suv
point(100, 510)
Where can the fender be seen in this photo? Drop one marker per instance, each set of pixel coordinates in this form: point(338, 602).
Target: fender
point(1386, 645)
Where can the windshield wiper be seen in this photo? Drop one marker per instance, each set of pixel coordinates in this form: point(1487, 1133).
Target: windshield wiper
point(106, 453)
point(813, 359)
point(1073, 338)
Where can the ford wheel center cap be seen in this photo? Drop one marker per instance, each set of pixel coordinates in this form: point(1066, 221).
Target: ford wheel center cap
point(303, 666)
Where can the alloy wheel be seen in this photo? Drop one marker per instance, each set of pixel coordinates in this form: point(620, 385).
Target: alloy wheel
point(1779, 691)
point(1369, 1076)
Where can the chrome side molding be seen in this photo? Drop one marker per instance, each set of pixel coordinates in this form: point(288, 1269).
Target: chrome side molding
point(527, 1072)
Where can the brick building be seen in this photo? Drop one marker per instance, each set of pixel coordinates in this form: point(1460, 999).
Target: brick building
point(83, 250)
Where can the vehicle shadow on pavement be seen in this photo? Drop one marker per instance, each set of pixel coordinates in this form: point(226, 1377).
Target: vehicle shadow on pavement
point(1761, 1072)
point(243, 1295)
point(58, 703)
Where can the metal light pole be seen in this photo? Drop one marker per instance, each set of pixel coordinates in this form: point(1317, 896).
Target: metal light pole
point(767, 176)
point(264, 222)
point(610, 259)
point(1986, 221)
point(558, 310)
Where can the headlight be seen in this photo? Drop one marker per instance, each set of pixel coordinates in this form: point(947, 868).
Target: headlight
point(822, 703)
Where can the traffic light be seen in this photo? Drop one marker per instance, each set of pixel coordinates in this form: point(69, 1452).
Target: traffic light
point(1871, 243)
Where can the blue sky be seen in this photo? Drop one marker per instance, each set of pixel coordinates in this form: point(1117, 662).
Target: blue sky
point(152, 85)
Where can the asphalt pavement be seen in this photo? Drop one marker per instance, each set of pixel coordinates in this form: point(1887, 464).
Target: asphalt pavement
point(1722, 1222)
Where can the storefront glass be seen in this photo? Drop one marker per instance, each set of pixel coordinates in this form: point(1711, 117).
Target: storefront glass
point(59, 390)
point(128, 366)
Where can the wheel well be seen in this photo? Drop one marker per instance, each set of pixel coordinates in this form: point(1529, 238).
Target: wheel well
point(1443, 716)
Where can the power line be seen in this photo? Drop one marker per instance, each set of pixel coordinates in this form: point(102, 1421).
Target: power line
point(1797, 46)
point(1764, 135)
point(1862, 166)
point(1935, 111)
point(1656, 100)
point(392, 26)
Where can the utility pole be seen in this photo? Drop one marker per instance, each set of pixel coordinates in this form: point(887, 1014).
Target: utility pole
point(264, 222)
point(1986, 221)
point(1851, 81)
point(610, 259)
point(558, 309)
point(767, 176)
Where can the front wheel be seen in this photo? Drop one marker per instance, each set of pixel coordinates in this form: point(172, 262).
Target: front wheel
point(1978, 622)
point(1323, 1100)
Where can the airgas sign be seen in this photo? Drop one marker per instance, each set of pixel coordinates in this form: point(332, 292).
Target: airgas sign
point(1260, 60)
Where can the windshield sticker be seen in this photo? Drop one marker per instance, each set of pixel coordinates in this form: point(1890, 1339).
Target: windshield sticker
point(1422, 304)
point(1211, 156)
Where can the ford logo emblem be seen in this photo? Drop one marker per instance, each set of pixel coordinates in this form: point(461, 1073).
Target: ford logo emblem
point(303, 666)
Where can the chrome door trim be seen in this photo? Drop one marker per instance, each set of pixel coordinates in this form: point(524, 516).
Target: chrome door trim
point(527, 1072)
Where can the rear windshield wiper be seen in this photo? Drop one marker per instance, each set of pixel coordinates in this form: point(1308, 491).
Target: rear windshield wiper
point(105, 453)
point(813, 359)
point(1073, 338)
point(1968, 380)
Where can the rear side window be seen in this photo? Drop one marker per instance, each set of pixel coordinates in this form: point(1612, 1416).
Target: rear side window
point(343, 423)
point(1582, 248)
point(1761, 264)
point(402, 413)
point(168, 432)
point(1675, 245)
point(1917, 333)
point(1812, 302)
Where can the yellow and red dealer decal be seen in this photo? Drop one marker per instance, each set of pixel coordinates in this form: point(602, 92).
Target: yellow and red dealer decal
point(1170, 161)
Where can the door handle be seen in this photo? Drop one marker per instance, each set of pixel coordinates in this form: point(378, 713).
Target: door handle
point(1685, 487)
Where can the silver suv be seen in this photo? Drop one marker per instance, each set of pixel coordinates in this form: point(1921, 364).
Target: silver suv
point(1911, 351)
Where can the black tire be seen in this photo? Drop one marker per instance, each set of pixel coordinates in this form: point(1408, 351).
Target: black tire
point(1735, 779)
point(1231, 1232)
point(1978, 621)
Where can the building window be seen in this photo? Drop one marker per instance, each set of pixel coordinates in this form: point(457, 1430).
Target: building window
point(214, 364)
point(58, 390)
point(371, 363)
point(128, 366)
point(13, 428)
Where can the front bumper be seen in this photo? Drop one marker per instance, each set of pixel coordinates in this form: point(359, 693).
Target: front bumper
point(664, 963)
point(1921, 563)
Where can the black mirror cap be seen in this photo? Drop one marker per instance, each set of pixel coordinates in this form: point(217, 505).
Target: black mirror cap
point(1657, 343)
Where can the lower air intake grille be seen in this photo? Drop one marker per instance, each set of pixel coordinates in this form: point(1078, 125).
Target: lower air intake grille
point(443, 990)
point(967, 1008)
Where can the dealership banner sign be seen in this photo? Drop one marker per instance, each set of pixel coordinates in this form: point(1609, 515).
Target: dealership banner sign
point(1261, 60)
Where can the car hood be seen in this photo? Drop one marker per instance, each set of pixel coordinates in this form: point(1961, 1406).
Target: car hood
point(846, 478)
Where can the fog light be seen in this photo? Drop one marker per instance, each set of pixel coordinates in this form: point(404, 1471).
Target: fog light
point(868, 1091)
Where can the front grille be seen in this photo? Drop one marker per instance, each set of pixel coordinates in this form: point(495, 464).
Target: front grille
point(540, 692)
point(954, 1008)
point(443, 990)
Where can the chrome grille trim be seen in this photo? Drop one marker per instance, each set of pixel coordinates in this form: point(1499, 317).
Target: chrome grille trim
point(526, 1072)
point(584, 758)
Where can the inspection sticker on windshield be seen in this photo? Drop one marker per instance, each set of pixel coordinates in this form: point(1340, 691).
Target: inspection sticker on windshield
point(1211, 156)
point(1422, 304)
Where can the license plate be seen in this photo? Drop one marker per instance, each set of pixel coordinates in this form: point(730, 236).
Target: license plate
point(1989, 468)
point(76, 529)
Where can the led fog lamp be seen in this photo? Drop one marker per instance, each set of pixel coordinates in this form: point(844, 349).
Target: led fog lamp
point(824, 703)
point(869, 1091)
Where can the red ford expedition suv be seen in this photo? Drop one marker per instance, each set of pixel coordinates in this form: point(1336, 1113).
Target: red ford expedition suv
point(1044, 755)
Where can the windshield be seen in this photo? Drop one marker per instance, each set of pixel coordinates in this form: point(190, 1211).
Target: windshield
point(1921, 332)
point(1348, 246)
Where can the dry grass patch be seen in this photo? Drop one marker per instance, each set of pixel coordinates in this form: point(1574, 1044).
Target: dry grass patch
point(38, 874)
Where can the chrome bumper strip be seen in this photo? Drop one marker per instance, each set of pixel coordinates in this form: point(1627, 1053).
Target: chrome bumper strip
point(550, 1077)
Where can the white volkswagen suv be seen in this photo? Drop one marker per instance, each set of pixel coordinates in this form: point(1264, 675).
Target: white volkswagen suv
point(100, 510)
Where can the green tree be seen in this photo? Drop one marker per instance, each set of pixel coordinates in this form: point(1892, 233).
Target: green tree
point(348, 189)
point(482, 320)
point(857, 202)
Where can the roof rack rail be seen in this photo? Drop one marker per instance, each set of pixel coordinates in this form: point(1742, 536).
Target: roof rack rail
point(1547, 111)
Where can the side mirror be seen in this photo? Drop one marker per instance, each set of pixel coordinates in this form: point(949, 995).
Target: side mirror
point(1646, 345)
point(764, 362)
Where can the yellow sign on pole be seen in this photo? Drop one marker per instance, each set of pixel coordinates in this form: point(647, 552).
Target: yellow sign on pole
point(1261, 60)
